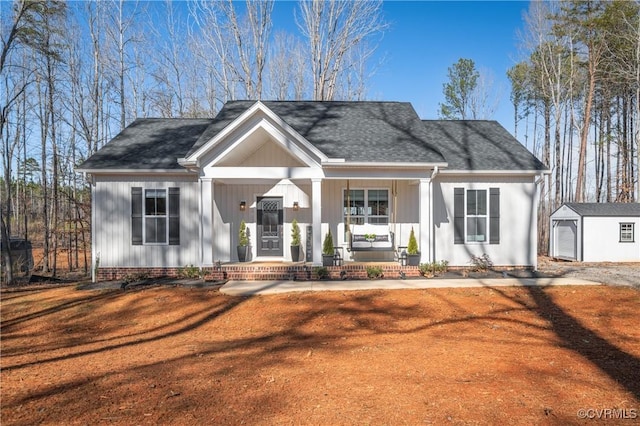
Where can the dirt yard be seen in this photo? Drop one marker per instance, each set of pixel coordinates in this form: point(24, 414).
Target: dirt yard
point(194, 356)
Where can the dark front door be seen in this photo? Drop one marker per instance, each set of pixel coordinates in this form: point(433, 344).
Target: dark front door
point(269, 226)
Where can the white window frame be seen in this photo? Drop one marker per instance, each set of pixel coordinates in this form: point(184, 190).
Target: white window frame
point(627, 235)
point(146, 217)
point(476, 216)
point(365, 217)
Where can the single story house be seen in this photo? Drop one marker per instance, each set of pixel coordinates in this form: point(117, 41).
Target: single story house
point(596, 232)
point(172, 192)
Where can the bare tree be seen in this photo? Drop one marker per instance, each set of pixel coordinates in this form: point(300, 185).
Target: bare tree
point(239, 42)
point(333, 29)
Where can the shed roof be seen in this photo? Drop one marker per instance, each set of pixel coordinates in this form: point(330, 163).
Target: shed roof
point(605, 209)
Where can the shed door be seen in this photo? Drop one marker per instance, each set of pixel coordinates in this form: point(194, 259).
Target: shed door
point(269, 226)
point(566, 239)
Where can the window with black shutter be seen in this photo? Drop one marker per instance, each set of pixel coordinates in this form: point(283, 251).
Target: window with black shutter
point(155, 216)
point(476, 217)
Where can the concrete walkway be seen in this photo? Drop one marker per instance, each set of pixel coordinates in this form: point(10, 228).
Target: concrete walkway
point(250, 288)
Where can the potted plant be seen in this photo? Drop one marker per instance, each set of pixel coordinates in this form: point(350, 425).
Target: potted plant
point(295, 241)
point(327, 250)
point(413, 255)
point(243, 242)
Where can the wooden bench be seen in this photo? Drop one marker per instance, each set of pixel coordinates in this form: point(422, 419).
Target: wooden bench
point(371, 238)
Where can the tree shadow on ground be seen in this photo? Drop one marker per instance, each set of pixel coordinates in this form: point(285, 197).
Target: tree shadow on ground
point(619, 365)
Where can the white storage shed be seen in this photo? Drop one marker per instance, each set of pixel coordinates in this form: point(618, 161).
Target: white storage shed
point(596, 232)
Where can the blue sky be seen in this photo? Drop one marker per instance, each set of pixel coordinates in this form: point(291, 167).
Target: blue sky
point(425, 38)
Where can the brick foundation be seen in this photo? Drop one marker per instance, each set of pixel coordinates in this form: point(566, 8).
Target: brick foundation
point(255, 272)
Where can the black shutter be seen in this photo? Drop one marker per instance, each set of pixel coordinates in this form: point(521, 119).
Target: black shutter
point(494, 216)
point(458, 215)
point(136, 216)
point(174, 216)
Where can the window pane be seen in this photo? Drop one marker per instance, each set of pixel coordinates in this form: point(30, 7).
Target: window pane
point(481, 229)
point(471, 229)
point(149, 204)
point(378, 202)
point(155, 230)
point(476, 229)
point(471, 202)
point(155, 202)
point(481, 203)
point(355, 203)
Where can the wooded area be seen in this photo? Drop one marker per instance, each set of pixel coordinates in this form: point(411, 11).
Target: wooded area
point(578, 94)
point(72, 75)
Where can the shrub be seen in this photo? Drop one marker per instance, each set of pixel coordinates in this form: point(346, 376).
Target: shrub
point(374, 272)
point(190, 271)
point(327, 246)
point(433, 269)
point(243, 239)
point(481, 263)
point(412, 247)
point(295, 233)
point(322, 272)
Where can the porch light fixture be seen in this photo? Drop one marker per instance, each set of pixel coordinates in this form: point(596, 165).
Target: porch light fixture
point(296, 206)
point(403, 258)
point(243, 205)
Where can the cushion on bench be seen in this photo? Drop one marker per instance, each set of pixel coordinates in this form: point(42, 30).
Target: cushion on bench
point(383, 240)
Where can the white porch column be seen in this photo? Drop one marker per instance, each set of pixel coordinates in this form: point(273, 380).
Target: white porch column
point(206, 222)
point(425, 220)
point(316, 219)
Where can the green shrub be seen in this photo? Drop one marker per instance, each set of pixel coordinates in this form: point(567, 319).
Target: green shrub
point(412, 247)
point(327, 246)
point(433, 269)
point(243, 239)
point(322, 272)
point(295, 233)
point(374, 272)
point(190, 271)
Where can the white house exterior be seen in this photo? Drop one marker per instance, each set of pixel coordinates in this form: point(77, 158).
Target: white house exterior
point(596, 232)
point(172, 192)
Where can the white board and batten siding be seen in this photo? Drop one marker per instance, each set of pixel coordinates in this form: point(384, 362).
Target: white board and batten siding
point(227, 215)
point(112, 223)
point(518, 239)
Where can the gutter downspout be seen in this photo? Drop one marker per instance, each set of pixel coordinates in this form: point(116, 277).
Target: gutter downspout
point(432, 240)
point(94, 261)
point(536, 182)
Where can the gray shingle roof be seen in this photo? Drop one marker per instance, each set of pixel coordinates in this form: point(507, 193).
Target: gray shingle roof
point(479, 145)
point(605, 209)
point(355, 131)
point(149, 143)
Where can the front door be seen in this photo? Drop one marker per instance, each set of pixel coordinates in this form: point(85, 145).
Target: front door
point(269, 230)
